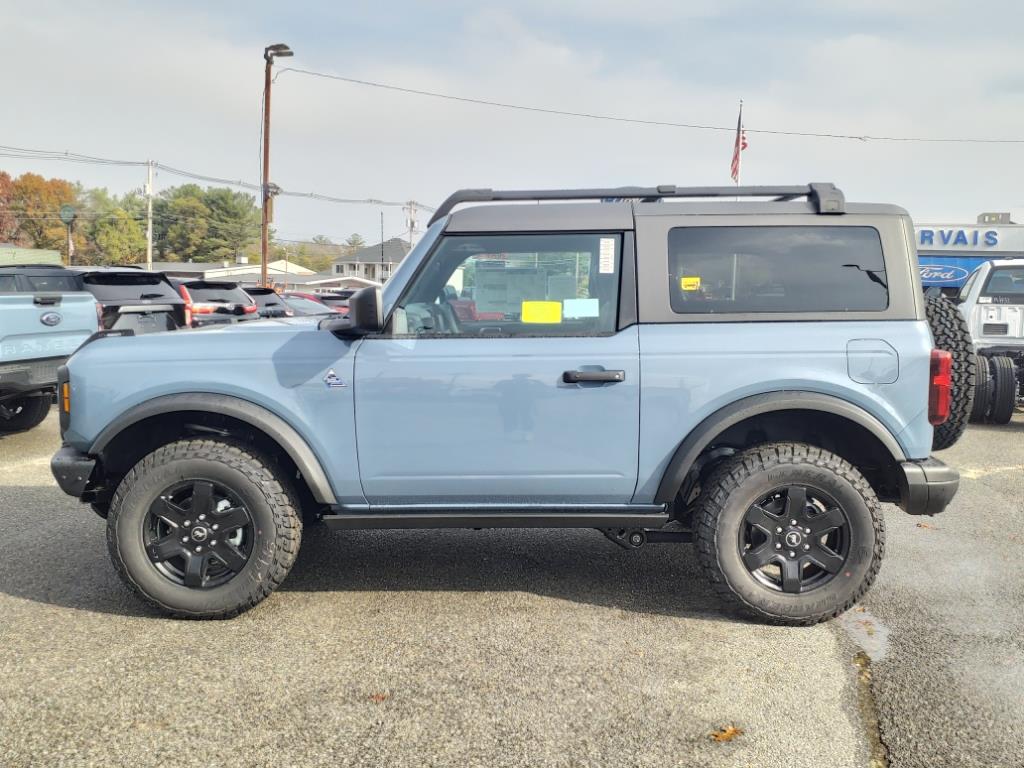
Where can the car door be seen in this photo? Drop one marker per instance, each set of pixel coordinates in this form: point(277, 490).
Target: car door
point(504, 377)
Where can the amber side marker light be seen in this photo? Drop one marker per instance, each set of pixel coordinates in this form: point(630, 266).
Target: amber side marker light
point(65, 397)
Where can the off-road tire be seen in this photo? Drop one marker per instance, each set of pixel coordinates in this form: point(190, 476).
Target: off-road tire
point(28, 412)
point(1004, 390)
point(982, 391)
point(277, 524)
point(738, 483)
point(950, 332)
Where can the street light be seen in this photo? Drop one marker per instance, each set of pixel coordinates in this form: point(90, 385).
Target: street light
point(267, 192)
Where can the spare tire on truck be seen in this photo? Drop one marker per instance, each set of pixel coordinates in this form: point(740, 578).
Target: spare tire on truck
point(950, 332)
point(982, 391)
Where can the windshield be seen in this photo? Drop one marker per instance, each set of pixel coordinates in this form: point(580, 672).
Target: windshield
point(126, 286)
point(306, 306)
point(1006, 282)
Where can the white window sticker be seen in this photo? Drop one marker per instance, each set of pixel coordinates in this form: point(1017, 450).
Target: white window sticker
point(606, 262)
point(577, 308)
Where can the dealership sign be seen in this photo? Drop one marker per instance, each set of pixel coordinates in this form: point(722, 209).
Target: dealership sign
point(952, 237)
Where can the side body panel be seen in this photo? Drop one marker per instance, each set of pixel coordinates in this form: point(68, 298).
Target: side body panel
point(280, 365)
point(689, 371)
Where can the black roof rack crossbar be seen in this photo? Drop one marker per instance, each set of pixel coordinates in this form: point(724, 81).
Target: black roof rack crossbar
point(827, 198)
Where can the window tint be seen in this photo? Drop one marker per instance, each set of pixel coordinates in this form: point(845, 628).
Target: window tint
point(56, 283)
point(1005, 281)
point(219, 293)
point(776, 269)
point(8, 283)
point(265, 297)
point(515, 285)
point(121, 286)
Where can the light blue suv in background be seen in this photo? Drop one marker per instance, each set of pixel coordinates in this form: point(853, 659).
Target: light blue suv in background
point(754, 376)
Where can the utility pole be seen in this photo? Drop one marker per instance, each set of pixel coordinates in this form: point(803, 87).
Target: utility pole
point(269, 53)
point(410, 212)
point(149, 215)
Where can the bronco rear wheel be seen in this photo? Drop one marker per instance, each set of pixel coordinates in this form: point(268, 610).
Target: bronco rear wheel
point(790, 533)
point(203, 529)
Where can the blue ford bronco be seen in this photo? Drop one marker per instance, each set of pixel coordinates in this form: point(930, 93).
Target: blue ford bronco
point(45, 313)
point(662, 364)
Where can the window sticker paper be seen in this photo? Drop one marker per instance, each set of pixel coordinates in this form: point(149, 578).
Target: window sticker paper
point(689, 283)
point(549, 312)
point(606, 260)
point(573, 309)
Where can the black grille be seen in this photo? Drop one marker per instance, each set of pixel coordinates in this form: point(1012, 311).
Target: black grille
point(995, 329)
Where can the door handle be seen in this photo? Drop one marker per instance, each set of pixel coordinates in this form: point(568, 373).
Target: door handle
point(575, 377)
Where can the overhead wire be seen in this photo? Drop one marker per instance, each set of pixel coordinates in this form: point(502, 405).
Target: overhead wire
point(639, 120)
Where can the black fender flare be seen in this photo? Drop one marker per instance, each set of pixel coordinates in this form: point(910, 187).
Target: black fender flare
point(791, 400)
point(255, 415)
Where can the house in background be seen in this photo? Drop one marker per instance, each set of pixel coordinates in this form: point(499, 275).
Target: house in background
point(374, 262)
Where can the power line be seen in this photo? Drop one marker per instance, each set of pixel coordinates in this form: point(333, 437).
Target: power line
point(74, 157)
point(642, 121)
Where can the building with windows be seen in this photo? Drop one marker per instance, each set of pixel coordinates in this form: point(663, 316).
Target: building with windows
point(373, 262)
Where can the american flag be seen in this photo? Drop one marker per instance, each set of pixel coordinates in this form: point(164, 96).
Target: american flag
point(738, 146)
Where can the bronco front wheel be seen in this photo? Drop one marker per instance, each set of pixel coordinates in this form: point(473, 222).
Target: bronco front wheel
point(203, 529)
point(789, 532)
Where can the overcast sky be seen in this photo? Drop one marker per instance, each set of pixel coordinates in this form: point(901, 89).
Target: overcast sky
point(180, 82)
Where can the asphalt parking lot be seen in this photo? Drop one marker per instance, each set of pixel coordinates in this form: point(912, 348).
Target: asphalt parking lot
point(496, 648)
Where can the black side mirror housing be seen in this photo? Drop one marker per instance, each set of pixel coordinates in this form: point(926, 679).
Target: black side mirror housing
point(365, 315)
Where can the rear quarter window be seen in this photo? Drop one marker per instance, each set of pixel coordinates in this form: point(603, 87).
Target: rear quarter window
point(783, 269)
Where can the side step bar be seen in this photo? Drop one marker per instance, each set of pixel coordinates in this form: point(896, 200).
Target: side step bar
point(502, 516)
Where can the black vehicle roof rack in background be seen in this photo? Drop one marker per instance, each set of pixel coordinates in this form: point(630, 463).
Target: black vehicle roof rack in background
point(827, 198)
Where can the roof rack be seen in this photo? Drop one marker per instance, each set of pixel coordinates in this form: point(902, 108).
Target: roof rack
point(827, 198)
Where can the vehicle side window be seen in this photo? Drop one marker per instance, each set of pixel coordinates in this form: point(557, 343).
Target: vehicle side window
point(966, 287)
point(776, 269)
point(8, 283)
point(515, 285)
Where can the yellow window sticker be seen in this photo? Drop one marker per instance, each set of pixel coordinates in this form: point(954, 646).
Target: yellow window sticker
point(541, 312)
point(690, 283)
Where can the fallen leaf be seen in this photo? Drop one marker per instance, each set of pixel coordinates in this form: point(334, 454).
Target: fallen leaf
point(728, 733)
point(379, 698)
point(869, 626)
point(926, 525)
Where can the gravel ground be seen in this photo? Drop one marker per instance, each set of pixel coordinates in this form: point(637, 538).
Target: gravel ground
point(506, 648)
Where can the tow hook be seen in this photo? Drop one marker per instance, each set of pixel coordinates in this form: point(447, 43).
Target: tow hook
point(627, 538)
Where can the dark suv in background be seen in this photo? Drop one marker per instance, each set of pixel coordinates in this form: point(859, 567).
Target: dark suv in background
point(129, 298)
point(269, 302)
point(212, 302)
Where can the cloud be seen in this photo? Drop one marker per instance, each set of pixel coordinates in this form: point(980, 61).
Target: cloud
point(181, 84)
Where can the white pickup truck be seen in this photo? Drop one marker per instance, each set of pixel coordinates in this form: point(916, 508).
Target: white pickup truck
point(992, 301)
point(45, 315)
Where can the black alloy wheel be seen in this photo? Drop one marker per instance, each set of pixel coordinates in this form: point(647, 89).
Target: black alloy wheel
point(795, 539)
point(198, 534)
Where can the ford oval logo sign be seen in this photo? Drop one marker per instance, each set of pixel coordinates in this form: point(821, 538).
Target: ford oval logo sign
point(944, 272)
point(50, 318)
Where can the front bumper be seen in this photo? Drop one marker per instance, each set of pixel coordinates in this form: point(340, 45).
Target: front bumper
point(927, 486)
point(72, 470)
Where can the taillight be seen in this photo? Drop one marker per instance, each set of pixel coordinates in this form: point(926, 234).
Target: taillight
point(940, 388)
point(203, 309)
point(250, 309)
point(188, 305)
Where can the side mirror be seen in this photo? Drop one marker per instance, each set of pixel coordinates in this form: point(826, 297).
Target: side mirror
point(365, 315)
